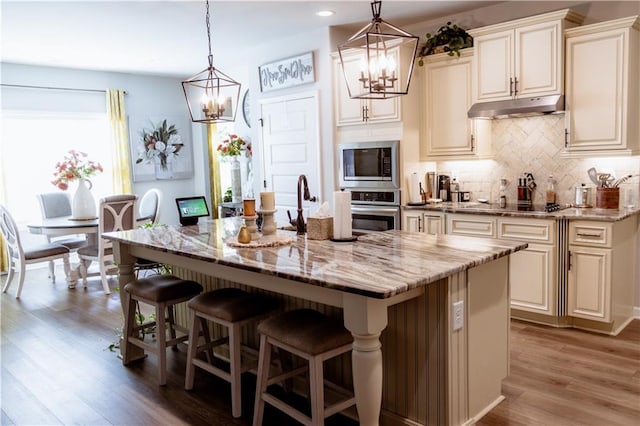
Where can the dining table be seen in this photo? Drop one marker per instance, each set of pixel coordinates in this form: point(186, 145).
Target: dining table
point(67, 225)
point(451, 371)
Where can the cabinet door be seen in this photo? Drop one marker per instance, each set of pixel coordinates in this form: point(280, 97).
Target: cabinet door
point(538, 60)
point(595, 90)
point(589, 283)
point(447, 98)
point(532, 277)
point(493, 63)
point(412, 221)
point(433, 224)
point(359, 111)
point(347, 110)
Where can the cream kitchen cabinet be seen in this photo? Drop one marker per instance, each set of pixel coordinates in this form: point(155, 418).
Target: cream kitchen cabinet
point(423, 221)
point(446, 132)
point(603, 89)
point(472, 225)
point(533, 272)
point(602, 256)
point(521, 58)
point(360, 111)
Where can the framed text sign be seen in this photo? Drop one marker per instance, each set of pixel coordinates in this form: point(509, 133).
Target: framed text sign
point(287, 72)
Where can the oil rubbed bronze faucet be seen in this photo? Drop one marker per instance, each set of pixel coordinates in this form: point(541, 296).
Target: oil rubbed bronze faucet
point(299, 223)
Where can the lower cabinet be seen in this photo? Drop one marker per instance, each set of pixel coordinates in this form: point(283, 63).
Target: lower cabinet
point(602, 259)
point(423, 221)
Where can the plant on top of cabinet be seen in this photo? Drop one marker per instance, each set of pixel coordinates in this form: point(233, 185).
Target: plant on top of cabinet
point(449, 39)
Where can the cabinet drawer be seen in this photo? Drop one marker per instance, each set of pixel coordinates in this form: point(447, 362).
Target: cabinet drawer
point(586, 233)
point(534, 230)
point(471, 225)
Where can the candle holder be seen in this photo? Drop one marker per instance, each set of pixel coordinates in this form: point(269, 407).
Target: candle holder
point(250, 223)
point(268, 223)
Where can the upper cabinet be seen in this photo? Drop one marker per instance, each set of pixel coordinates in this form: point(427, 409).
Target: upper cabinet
point(446, 132)
point(521, 58)
point(603, 89)
point(360, 111)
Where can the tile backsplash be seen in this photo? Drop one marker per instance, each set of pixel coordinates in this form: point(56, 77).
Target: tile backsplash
point(533, 145)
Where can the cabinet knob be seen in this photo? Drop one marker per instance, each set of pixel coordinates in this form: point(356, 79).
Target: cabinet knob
point(510, 86)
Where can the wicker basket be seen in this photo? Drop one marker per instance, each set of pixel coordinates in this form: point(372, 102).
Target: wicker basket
point(320, 228)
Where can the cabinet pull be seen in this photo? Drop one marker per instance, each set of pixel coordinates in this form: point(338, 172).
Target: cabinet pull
point(582, 234)
point(510, 86)
point(472, 142)
point(569, 267)
point(365, 113)
point(515, 86)
point(566, 138)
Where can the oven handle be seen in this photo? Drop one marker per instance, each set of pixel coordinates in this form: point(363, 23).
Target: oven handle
point(375, 210)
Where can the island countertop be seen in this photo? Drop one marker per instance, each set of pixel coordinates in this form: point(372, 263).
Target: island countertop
point(379, 265)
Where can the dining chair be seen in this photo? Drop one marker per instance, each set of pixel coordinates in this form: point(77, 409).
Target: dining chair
point(19, 257)
point(115, 213)
point(58, 204)
point(149, 207)
point(149, 215)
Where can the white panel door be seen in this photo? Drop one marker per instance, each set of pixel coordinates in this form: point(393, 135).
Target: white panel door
point(291, 147)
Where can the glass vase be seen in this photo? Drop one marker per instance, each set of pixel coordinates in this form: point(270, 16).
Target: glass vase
point(163, 169)
point(236, 180)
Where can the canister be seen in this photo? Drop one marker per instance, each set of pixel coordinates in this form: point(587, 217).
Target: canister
point(582, 196)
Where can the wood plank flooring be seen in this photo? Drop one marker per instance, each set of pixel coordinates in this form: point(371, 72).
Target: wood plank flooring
point(56, 369)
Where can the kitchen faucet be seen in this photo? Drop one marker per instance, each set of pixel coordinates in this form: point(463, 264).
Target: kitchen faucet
point(299, 223)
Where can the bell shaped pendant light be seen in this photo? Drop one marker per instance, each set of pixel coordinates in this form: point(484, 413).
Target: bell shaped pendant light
point(377, 61)
point(212, 96)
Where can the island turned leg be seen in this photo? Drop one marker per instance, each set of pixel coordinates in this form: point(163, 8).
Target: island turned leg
point(366, 318)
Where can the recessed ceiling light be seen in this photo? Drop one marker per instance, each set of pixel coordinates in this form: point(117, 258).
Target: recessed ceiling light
point(325, 13)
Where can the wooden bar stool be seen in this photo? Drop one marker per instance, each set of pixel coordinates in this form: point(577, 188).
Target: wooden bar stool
point(310, 335)
point(232, 308)
point(162, 292)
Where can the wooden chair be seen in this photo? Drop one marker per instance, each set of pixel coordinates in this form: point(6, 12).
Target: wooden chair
point(115, 213)
point(19, 257)
point(149, 207)
point(314, 337)
point(232, 308)
point(58, 204)
point(148, 213)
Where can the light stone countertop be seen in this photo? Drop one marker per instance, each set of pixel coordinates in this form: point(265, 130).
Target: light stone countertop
point(571, 213)
point(379, 264)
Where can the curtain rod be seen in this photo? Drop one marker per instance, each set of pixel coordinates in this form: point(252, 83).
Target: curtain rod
point(22, 86)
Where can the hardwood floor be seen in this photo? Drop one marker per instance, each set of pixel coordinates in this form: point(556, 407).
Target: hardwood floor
point(57, 369)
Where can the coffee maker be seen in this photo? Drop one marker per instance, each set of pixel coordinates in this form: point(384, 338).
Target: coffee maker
point(444, 187)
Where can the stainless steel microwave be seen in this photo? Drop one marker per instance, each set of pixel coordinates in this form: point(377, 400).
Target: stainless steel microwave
point(369, 164)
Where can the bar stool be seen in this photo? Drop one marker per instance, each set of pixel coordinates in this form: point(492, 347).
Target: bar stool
point(162, 292)
point(313, 336)
point(232, 308)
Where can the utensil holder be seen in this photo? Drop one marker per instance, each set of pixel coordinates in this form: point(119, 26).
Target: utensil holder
point(607, 198)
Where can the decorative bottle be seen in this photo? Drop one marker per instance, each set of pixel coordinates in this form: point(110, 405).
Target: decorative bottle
point(551, 191)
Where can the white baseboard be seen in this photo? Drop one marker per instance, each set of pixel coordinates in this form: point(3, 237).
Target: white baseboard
point(636, 312)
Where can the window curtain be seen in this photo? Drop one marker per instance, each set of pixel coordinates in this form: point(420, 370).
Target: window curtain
point(121, 174)
point(214, 169)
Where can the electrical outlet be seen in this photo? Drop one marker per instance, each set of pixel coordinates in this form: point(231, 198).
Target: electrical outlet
point(457, 314)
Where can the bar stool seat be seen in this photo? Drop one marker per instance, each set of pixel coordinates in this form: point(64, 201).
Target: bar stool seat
point(162, 292)
point(313, 336)
point(232, 308)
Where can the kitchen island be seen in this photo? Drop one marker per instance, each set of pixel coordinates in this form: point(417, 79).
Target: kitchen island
point(395, 292)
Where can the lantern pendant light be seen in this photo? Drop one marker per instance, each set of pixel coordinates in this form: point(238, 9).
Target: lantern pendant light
point(386, 56)
point(212, 96)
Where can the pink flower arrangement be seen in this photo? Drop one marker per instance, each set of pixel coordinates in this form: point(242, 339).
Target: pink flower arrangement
point(234, 145)
point(74, 166)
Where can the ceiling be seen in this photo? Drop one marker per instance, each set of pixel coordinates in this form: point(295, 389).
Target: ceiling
point(169, 37)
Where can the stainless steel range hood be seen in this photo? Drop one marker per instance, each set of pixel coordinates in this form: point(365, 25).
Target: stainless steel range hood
point(524, 107)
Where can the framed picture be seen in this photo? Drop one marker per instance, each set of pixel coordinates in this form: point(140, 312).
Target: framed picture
point(161, 148)
point(287, 72)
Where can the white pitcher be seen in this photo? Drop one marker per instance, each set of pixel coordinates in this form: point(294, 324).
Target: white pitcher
point(84, 205)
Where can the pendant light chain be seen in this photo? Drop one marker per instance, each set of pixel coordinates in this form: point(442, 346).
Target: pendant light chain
point(209, 35)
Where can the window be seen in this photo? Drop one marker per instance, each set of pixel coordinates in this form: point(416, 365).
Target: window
point(32, 143)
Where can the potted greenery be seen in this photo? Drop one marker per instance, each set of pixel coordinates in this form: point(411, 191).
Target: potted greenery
point(449, 38)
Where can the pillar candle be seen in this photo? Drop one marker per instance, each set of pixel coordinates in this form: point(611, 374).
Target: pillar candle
point(249, 207)
point(342, 215)
point(267, 201)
